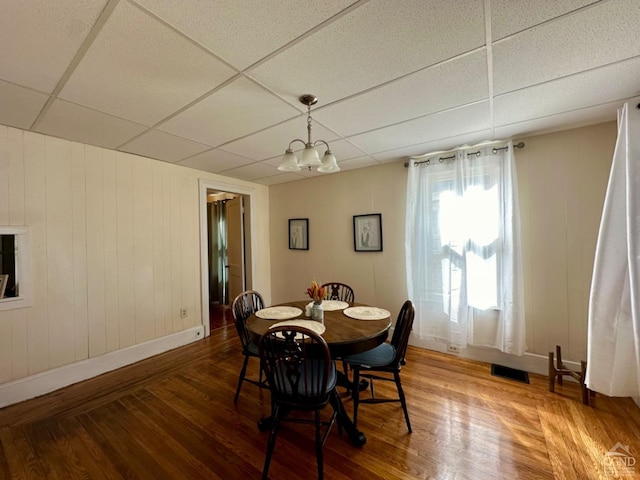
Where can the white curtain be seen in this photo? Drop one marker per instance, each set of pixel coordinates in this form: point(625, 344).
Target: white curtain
point(613, 347)
point(462, 249)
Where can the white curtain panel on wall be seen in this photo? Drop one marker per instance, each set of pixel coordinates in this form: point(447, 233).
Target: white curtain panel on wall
point(613, 358)
point(462, 248)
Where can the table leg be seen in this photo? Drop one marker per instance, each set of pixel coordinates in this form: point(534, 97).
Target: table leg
point(342, 380)
point(356, 436)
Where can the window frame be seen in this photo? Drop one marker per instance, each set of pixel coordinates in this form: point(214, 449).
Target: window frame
point(22, 266)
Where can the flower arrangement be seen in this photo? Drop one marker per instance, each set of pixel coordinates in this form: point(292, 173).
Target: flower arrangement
point(316, 292)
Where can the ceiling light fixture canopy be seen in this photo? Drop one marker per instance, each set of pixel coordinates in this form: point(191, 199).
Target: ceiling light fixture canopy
point(309, 157)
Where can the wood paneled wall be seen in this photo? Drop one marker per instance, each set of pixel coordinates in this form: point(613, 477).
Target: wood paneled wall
point(562, 179)
point(115, 250)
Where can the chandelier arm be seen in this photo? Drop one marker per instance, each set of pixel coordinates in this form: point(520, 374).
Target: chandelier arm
point(322, 141)
point(297, 140)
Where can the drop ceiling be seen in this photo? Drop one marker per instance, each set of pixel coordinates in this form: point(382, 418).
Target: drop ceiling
point(214, 85)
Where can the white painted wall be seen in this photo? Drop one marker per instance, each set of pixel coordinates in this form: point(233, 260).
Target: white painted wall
point(562, 179)
point(115, 242)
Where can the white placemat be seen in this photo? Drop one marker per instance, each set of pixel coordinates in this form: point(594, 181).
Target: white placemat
point(367, 313)
point(278, 313)
point(331, 305)
point(312, 325)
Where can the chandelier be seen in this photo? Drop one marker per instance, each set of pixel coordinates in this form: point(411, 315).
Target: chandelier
point(309, 157)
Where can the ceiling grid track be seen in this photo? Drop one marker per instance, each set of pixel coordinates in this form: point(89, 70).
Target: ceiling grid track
point(93, 33)
point(487, 31)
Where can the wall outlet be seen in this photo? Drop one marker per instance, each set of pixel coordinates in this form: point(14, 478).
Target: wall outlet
point(183, 313)
point(453, 349)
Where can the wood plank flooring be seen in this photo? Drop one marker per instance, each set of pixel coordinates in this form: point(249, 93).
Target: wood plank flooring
point(173, 417)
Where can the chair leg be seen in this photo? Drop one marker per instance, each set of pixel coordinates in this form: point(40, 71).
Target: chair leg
point(560, 364)
point(241, 379)
point(319, 444)
point(355, 394)
point(403, 401)
point(272, 441)
point(552, 374)
point(345, 368)
point(336, 404)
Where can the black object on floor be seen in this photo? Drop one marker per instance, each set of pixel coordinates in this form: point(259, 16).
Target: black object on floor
point(510, 373)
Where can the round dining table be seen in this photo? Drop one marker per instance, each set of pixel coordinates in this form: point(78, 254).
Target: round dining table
point(344, 335)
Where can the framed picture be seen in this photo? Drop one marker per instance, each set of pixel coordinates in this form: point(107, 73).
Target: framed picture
point(367, 232)
point(4, 279)
point(298, 234)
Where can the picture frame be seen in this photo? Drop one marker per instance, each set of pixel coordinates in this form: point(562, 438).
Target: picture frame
point(4, 279)
point(367, 232)
point(298, 234)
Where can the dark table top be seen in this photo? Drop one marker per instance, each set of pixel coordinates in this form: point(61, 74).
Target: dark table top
point(343, 334)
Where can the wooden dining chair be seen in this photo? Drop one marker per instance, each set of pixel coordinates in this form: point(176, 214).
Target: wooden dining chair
point(339, 291)
point(343, 292)
point(302, 377)
point(243, 306)
point(384, 363)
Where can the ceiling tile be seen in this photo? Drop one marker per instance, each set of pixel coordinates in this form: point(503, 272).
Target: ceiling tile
point(561, 121)
point(603, 34)
point(253, 171)
point(163, 146)
point(237, 109)
point(215, 160)
point(444, 86)
point(468, 119)
point(373, 44)
point(141, 70)
point(602, 85)
point(342, 149)
point(274, 141)
point(509, 16)
point(278, 179)
point(245, 30)
point(19, 107)
point(360, 162)
point(39, 38)
point(67, 120)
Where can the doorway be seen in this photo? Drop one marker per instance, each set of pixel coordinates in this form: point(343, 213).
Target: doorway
point(227, 269)
point(226, 246)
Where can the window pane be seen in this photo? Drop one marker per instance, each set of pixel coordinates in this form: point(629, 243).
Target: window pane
point(8, 265)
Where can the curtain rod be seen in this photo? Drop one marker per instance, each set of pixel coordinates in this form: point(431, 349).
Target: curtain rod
point(451, 157)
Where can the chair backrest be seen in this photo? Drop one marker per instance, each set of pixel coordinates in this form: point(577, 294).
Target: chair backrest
point(401, 332)
point(298, 366)
point(339, 291)
point(243, 306)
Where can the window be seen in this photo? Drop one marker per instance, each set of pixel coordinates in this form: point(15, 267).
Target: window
point(15, 271)
point(465, 237)
point(462, 250)
point(8, 266)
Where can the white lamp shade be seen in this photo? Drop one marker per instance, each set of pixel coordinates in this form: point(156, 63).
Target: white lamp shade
point(289, 163)
point(329, 163)
point(310, 157)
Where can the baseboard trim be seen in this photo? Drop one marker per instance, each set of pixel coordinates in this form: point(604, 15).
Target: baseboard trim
point(529, 362)
point(54, 379)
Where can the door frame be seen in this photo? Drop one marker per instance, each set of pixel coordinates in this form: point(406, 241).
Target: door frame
point(205, 185)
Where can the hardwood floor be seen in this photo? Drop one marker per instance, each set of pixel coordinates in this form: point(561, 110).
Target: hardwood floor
point(173, 417)
point(219, 316)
